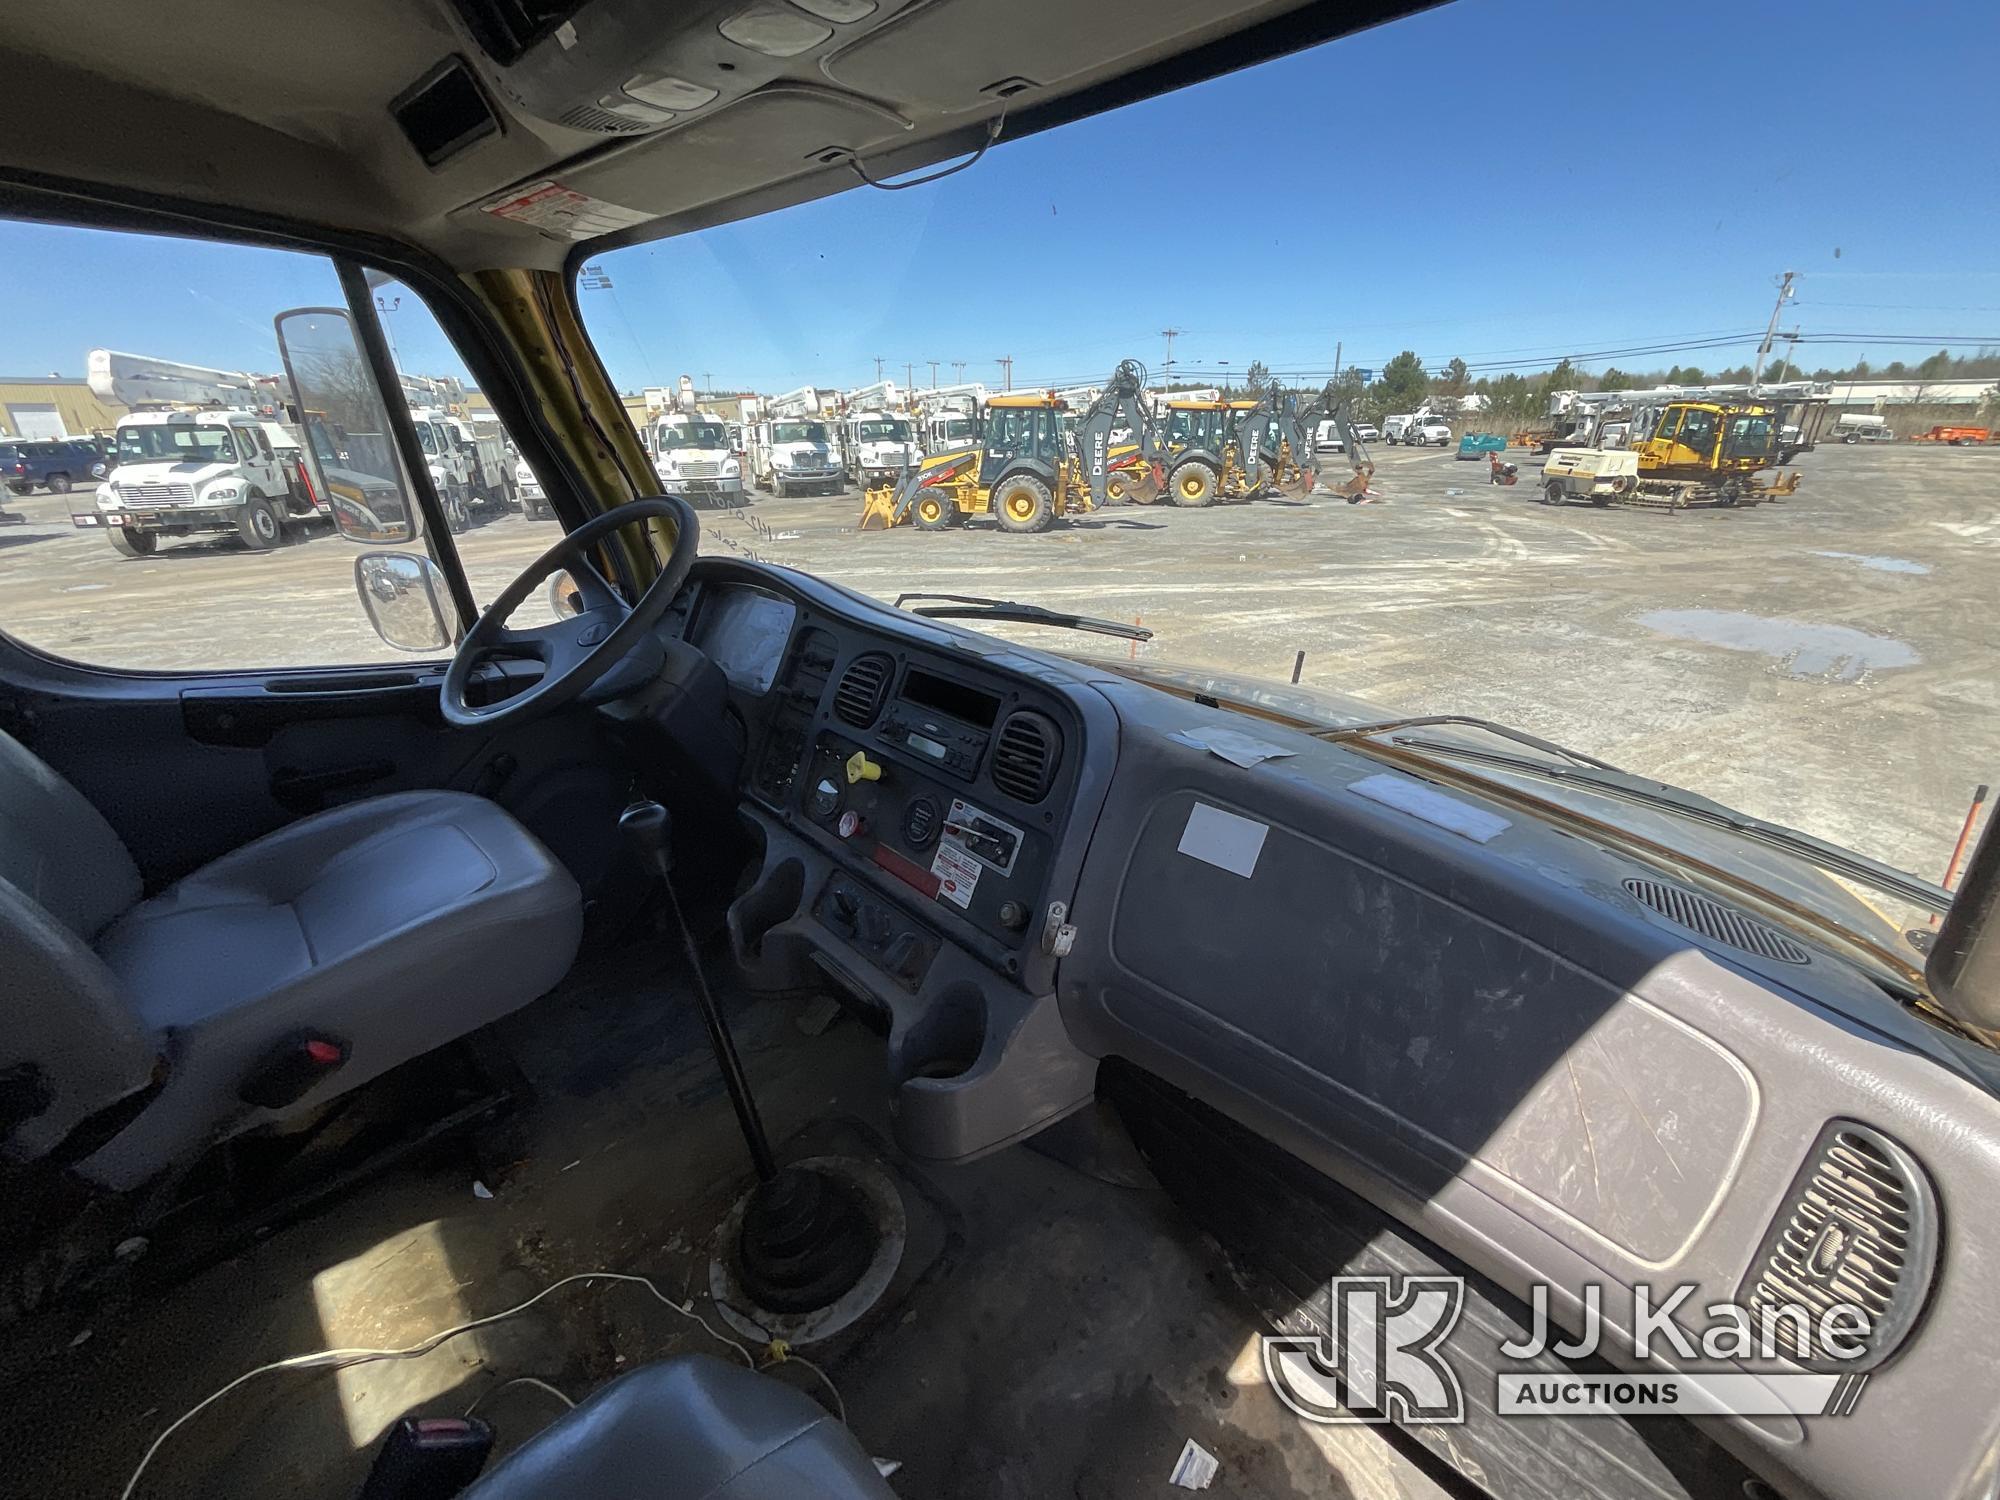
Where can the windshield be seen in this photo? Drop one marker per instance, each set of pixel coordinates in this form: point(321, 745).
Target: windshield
point(887, 432)
point(692, 435)
point(175, 442)
point(798, 432)
point(1819, 659)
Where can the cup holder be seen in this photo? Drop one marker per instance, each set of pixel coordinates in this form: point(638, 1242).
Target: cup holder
point(948, 1042)
point(773, 899)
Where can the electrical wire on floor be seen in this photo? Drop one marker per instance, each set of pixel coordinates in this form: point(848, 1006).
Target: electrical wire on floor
point(776, 1352)
point(540, 1385)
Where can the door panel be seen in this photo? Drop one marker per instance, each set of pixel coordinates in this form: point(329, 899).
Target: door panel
point(187, 768)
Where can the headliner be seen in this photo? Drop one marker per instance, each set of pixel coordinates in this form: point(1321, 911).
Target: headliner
point(282, 110)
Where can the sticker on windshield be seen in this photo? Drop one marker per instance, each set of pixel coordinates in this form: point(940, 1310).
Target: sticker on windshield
point(957, 873)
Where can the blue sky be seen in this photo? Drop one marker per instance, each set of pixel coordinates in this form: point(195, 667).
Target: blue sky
point(1501, 182)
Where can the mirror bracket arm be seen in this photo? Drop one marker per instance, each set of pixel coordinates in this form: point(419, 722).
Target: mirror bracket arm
point(375, 349)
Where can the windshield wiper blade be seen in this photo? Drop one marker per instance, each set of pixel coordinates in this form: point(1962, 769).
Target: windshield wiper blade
point(1692, 805)
point(973, 607)
point(1519, 736)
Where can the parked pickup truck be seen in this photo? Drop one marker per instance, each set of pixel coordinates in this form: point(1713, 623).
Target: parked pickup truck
point(186, 473)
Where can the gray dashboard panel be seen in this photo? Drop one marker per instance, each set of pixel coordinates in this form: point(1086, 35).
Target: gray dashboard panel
point(1429, 914)
point(1421, 1019)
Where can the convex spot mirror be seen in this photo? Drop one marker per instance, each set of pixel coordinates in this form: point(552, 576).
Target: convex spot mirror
point(344, 425)
point(405, 597)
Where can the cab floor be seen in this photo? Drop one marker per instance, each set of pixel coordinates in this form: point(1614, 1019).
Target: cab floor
point(1066, 1337)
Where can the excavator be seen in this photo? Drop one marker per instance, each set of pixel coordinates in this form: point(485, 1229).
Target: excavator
point(1022, 468)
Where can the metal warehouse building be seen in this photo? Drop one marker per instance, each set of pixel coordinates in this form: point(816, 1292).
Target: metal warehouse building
point(53, 407)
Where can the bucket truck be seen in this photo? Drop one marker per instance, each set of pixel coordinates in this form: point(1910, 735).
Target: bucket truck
point(877, 435)
point(791, 448)
point(692, 453)
point(200, 452)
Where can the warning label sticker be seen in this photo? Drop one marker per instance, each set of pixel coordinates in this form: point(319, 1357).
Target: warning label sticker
point(957, 873)
point(564, 212)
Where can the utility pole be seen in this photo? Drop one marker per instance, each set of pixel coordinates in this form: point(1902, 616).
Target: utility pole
point(1006, 363)
point(1170, 334)
point(1770, 332)
point(878, 369)
point(958, 372)
point(708, 384)
point(385, 306)
point(1336, 361)
point(909, 375)
point(933, 364)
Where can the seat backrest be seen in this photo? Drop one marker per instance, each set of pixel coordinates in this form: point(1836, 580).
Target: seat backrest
point(56, 849)
point(71, 1042)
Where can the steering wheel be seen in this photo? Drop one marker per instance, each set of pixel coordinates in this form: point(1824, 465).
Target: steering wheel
point(575, 653)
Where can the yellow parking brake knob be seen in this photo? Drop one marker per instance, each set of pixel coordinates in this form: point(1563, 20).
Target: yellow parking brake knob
point(861, 768)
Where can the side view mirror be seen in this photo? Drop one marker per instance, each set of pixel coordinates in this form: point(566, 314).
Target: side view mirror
point(565, 598)
point(405, 597)
point(344, 426)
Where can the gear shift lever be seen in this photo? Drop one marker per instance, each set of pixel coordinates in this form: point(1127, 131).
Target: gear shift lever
point(806, 1236)
point(650, 828)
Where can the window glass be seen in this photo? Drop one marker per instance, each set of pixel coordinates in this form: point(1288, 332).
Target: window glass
point(204, 549)
point(496, 506)
point(1712, 653)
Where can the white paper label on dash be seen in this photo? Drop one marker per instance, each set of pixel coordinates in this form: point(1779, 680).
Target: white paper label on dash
point(1433, 806)
point(1224, 840)
point(957, 872)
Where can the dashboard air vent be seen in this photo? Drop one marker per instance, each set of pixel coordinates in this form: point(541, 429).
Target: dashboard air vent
point(858, 699)
point(1025, 756)
point(1858, 1226)
point(1713, 920)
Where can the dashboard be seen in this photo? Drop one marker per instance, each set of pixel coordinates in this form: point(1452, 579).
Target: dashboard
point(942, 784)
point(1499, 1032)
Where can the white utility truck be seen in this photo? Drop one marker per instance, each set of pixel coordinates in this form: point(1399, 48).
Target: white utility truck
point(467, 470)
point(201, 452)
point(691, 450)
point(878, 440)
point(791, 448)
point(948, 417)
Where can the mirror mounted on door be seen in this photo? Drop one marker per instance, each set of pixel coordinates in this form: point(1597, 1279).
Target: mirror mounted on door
point(350, 451)
point(406, 599)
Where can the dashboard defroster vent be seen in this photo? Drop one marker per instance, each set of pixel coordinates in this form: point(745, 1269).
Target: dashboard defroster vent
point(1713, 920)
point(1025, 756)
point(1859, 1226)
point(858, 699)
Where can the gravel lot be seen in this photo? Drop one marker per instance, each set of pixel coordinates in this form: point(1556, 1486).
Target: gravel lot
point(1828, 661)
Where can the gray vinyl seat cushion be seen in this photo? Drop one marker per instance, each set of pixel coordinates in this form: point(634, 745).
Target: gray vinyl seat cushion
point(393, 925)
point(692, 1428)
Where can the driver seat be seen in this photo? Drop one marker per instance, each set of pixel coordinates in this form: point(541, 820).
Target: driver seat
point(138, 1032)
